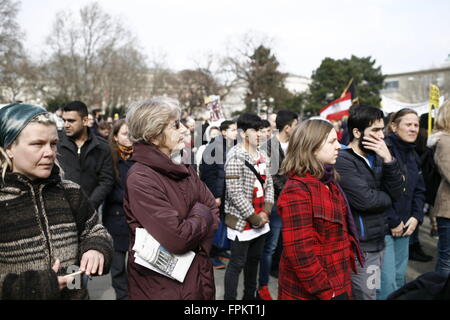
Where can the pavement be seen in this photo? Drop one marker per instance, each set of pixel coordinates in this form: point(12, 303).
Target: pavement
point(100, 287)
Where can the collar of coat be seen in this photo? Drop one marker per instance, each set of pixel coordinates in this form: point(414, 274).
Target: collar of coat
point(306, 177)
point(15, 183)
point(91, 142)
point(152, 157)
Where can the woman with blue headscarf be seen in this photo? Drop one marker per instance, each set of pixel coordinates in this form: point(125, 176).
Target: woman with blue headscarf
point(47, 226)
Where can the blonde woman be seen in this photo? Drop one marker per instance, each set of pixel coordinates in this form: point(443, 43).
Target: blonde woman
point(319, 236)
point(440, 142)
point(46, 224)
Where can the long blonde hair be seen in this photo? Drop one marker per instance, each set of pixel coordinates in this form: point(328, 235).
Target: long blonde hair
point(306, 139)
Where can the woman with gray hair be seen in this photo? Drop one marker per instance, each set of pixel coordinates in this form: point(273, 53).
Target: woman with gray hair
point(170, 202)
point(47, 225)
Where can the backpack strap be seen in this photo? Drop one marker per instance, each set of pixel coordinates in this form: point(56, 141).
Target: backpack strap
point(252, 168)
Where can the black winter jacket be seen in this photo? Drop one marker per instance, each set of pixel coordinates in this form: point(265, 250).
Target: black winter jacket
point(276, 159)
point(114, 218)
point(92, 169)
point(413, 200)
point(370, 193)
point(212, 166)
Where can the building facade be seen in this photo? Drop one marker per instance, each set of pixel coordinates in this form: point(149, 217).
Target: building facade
point(413, 87)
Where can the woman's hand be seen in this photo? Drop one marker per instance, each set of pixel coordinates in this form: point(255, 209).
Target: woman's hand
point(411, 224)
point(62, 281)
point(92, 262)
point(398, 231)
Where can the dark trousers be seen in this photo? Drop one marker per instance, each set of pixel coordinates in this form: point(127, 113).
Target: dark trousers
point(414, 238)
point(270, 246)
point(244, 255)
point(119, 275)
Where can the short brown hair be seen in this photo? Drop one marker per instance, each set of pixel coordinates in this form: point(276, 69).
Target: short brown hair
point(306, 139)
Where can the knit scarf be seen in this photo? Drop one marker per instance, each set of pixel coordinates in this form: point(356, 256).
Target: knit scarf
point(328, 175)
point(124, 152)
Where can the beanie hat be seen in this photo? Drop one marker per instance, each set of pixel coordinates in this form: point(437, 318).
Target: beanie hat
point(14, 118)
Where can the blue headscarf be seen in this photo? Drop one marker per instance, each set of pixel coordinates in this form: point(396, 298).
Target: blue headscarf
point(14, 118)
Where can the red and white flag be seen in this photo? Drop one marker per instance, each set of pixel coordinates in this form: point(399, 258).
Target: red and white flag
point(338, 108)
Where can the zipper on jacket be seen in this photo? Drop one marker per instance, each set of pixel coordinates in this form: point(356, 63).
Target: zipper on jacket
point(361, 224)
point(41, 215)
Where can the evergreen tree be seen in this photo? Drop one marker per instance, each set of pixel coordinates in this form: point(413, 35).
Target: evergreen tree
point(332, 77)
point(265, 82)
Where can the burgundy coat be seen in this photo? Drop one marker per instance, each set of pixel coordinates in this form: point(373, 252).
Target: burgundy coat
point(178, 210)
point(317, 253)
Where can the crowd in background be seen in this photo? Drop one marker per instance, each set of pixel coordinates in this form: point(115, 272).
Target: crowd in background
point(332, 209)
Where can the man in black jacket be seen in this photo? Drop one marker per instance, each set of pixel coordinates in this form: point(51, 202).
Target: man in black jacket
point(212, 173)
point(276, 149)
point(371, 179)
point(84, 157)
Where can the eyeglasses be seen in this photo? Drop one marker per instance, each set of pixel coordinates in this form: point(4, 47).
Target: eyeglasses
point(176, 125)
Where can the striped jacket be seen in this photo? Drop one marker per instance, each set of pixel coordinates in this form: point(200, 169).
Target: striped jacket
point(42, 221)
point(240, 182)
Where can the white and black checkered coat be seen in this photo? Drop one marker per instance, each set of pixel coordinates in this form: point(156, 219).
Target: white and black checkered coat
point(240, 182)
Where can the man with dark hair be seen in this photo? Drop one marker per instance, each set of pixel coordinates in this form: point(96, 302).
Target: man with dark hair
point(266, 131)
point(371, 179)
point(84, 157)
point(248, 202)
point(276, 148)
point(212, 173)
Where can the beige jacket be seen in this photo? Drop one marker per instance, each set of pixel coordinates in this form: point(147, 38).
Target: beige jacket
point(441, 142)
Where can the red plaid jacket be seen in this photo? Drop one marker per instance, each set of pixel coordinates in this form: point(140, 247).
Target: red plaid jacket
point(317, 257)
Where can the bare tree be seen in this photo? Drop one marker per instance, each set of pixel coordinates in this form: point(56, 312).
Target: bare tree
point(15, 68)
point(238, 57)
point(251, 61)
point(125, 78)
point(221, 81)
point(161, 77)
point(94, 58)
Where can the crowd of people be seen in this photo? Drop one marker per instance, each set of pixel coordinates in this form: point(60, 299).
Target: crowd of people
point(331, 209)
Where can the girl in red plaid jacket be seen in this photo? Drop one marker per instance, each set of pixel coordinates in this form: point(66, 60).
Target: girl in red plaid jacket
point(319, 238)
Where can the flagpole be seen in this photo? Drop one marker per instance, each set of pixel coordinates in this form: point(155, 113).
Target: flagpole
point(346, 88)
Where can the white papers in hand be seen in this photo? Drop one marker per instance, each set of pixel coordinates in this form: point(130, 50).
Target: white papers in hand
point(151, 254)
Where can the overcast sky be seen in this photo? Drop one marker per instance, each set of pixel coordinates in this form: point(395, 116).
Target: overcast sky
point(402, 35)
